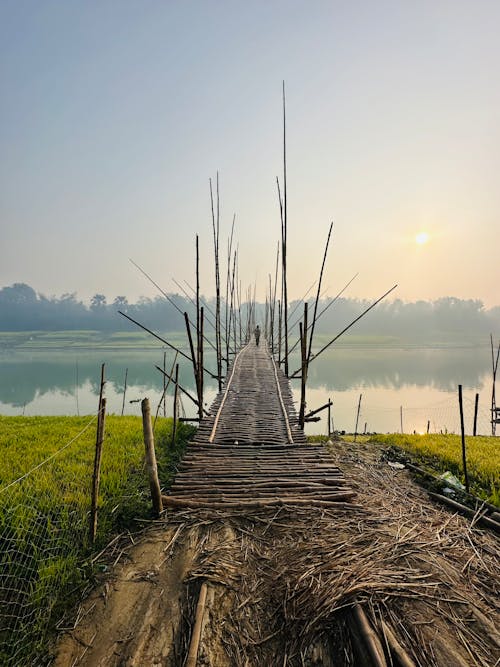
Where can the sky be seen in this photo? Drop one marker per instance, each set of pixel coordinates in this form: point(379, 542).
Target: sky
point(114, 115)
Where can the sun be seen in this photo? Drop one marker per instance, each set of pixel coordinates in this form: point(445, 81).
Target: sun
point(422, 238)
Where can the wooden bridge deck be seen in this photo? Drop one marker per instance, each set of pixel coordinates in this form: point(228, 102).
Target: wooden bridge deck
point(250, 450)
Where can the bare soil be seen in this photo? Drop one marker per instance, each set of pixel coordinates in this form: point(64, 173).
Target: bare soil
point(283, 583)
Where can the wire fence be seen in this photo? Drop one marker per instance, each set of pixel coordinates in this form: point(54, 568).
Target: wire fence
point(443, 417)
point(45, 546)
point(43, 533)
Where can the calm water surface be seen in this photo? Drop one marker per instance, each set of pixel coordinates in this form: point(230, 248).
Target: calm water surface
point(423, 382)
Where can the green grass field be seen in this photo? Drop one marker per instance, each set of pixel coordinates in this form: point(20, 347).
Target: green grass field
point(45, 482)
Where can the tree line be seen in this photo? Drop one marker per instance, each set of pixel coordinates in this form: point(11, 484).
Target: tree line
point(24, 309)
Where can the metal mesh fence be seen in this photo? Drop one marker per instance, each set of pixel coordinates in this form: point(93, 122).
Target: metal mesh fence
point(43, 533)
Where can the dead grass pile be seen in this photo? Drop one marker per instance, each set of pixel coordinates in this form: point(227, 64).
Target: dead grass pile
point(287, 581)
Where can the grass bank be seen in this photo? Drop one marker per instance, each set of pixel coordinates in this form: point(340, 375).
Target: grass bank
point(45, 481)
point(439, 453)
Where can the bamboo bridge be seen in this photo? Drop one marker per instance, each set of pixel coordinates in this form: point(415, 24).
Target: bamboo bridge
point(250, 450)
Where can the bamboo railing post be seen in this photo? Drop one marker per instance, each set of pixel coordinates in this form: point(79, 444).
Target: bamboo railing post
point(476, 406)
point(285, 239)
point(176, 395)
point(149, 445)
point(200, 365)
point(124, 391)
point(303, 377)
point(357, 418)
point(96, 476)
point(164, 384)
point(462, 432)
point(329, 417)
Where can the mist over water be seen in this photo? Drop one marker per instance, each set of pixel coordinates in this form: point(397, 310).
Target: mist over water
point(422, 381)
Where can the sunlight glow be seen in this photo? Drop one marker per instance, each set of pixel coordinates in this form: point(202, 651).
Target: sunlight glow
point(421, 238)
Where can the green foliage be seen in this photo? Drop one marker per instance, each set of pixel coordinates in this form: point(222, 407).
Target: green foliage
point(444, 452)
point(45, 483)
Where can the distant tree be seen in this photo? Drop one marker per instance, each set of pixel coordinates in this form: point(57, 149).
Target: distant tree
point(98, 301)
point(18, 293)
point(120, 302)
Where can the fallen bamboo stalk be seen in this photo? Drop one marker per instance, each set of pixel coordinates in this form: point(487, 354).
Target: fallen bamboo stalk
point(197, 629)
point(402, 656)
point(169, 501)
point(484, 520)
point(370, 638)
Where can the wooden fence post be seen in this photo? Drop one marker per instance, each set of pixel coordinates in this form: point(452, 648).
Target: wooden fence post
point(149, 444)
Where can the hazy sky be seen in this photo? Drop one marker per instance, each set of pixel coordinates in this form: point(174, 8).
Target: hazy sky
point(115, 114)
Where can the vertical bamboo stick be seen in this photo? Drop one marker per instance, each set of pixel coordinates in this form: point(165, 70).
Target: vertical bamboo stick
point(124, 391)
point(76, 390)
point(218, 338)
point(96, 476)
point(164, 384)
point(476, 406)
point(462, 432)
point(303, 378)
point(200, 365)
point(357, 418)
point(285, 239)
point(176, 399)
point(149, 445)
point(329, 417)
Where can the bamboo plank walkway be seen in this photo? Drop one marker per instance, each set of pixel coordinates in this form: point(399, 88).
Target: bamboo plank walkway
point(250, 450)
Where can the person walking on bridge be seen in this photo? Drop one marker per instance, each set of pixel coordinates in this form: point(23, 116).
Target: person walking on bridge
point(257, 334)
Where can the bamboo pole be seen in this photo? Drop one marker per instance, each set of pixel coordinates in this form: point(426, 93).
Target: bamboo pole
point(216, 227)
point(357, 418)
point(476, 406)
point(329, 417)
point(325, 347)
point(313, 324)
point(184, 391)
point(149, 445)
point(124, 391)
point(76, 390)
point(200, 365)
point(462, 432)
point(494, 363)
point(285, 239)
point(370, 637)
point(176, 395)
point(96, 476)
point(192, 657)
point(330, 303)
point(303, 377)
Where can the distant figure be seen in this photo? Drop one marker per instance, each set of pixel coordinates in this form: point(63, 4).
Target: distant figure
point(257, 334)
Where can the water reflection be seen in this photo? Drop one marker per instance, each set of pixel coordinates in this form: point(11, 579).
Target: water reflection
point(45, 382)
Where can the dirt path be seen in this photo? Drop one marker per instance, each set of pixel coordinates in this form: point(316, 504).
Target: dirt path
point(282, 583)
